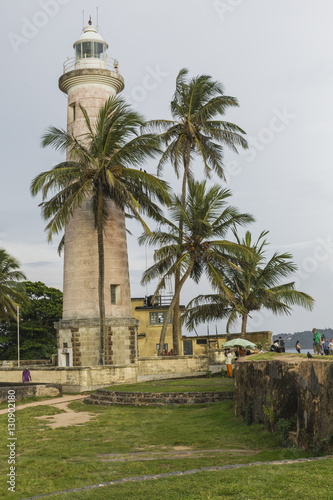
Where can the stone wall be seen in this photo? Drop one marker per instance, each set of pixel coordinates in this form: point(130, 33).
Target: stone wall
point(263, 336)
point(25, 362)
point(28, 390)
point(163, 367)
point(288, 388)
point(80, 340)
point(108, 398)
point(83, 378)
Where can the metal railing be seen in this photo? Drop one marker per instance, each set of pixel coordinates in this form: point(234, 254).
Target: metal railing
point(159, 301)
point(110, 64)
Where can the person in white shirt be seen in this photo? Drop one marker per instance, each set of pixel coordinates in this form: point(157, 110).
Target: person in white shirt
point(228, 363)
point(330, 346)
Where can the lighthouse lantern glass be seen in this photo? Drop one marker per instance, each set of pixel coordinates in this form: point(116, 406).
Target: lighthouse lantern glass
point(90, 49)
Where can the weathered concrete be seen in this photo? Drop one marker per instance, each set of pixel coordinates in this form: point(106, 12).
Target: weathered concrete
point(288, 386)
point(89, 378)
point(28, 390)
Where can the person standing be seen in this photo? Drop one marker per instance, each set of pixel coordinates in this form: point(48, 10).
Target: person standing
point(228, 363)
point(326, 348)
point(282, 345)
point(26, 377)
point(316, 342)
point(298, 347)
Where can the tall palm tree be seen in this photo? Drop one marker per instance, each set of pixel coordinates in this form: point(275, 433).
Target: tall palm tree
point(12, 292)
point(254, 285)
point(194, 130)
point(200, 248)
point(101, 167)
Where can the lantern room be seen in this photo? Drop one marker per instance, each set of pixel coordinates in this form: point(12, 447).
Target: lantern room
point(90, 49)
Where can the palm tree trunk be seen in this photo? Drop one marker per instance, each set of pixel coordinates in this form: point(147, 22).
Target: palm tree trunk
point(100, 243)
point(244, 322)
point(176, 311)
point(172, 307)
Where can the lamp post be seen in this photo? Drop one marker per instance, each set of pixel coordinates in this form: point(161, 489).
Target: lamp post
point(18, 336)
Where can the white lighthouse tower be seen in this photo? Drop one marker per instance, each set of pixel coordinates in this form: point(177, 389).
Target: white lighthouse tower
point(89, 79)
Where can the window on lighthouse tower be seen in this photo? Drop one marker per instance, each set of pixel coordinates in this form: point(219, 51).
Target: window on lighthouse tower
point(115, 294)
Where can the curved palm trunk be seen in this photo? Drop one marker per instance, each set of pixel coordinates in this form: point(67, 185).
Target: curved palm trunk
point(244, 322)
point(100, 243)
point(176, 311)
point(172, 308)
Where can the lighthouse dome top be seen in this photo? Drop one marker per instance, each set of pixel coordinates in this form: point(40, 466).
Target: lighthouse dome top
point(90, 33)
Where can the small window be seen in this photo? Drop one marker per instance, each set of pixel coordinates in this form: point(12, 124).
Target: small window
point(201, 341)
point(87, 49)
point(71, 112)
point(157, 318)
point(65, 345)
point(115, 294)
point(78, 51)
point(164, 348)
point(99, 50)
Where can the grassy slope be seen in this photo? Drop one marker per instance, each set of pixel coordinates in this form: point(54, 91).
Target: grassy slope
point(54, 459)
point(179, 385)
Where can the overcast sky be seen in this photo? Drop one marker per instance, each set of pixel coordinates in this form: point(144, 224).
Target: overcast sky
point(275, 57)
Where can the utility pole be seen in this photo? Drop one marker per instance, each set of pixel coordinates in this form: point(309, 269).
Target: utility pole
point(18, 336)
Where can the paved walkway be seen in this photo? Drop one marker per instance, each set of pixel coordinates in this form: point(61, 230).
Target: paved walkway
point(54, 401)
point(177, 473)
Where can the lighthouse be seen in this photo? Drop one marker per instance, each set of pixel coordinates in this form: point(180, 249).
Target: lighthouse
point(89, 79)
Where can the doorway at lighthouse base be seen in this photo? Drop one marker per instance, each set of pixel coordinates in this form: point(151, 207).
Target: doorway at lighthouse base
point(79, 342)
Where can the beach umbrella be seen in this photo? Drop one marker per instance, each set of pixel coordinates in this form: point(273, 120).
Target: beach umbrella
point(239, 343)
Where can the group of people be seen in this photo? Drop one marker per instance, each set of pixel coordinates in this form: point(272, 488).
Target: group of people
point(168, 353)
point(240, 352)
point(278, 346)
point(321, 345)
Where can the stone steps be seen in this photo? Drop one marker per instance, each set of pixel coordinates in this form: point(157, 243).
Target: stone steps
point(106, 398)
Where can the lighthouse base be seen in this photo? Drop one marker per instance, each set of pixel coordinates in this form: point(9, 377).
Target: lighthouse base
point(79, 342)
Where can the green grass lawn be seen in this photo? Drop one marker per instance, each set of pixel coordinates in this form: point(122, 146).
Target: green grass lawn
point(216, 383)
point(292, 482)
point(266, 356)
point(50, 460)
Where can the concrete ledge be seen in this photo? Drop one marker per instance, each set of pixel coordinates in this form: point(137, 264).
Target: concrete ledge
point(28, 390)
point(108, 398)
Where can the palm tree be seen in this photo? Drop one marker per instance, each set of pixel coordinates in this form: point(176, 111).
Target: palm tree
point(12, 292)
point(254, 285)
point(200, 248)
point(99, 168)
point(195, 131)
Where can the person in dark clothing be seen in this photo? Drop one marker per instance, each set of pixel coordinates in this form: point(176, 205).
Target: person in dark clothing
point(282, 345)
point(326, 348)
point(275, 347)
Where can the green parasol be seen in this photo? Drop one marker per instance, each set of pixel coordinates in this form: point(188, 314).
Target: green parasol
point(239, 343)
